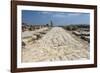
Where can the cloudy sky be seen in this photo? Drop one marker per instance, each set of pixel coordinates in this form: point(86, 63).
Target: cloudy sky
point(58, 18)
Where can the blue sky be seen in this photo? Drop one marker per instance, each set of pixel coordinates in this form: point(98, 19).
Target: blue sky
point(58, 18)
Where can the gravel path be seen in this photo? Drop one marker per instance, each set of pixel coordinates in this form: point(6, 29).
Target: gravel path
point(56, 45)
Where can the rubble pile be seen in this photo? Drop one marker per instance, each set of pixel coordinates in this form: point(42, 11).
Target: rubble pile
point(56, 45)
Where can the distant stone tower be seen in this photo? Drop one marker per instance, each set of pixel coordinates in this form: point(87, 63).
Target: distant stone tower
point(51, 24)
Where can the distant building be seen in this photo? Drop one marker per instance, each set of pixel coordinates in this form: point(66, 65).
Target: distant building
point(26, 27)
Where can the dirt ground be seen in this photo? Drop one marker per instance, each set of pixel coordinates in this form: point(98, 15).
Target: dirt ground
point(56, 45)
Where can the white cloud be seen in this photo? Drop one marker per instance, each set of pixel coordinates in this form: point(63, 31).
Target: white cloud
point(66, 14)
point(45, 12)
point(74, 14)
point(59, 15)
